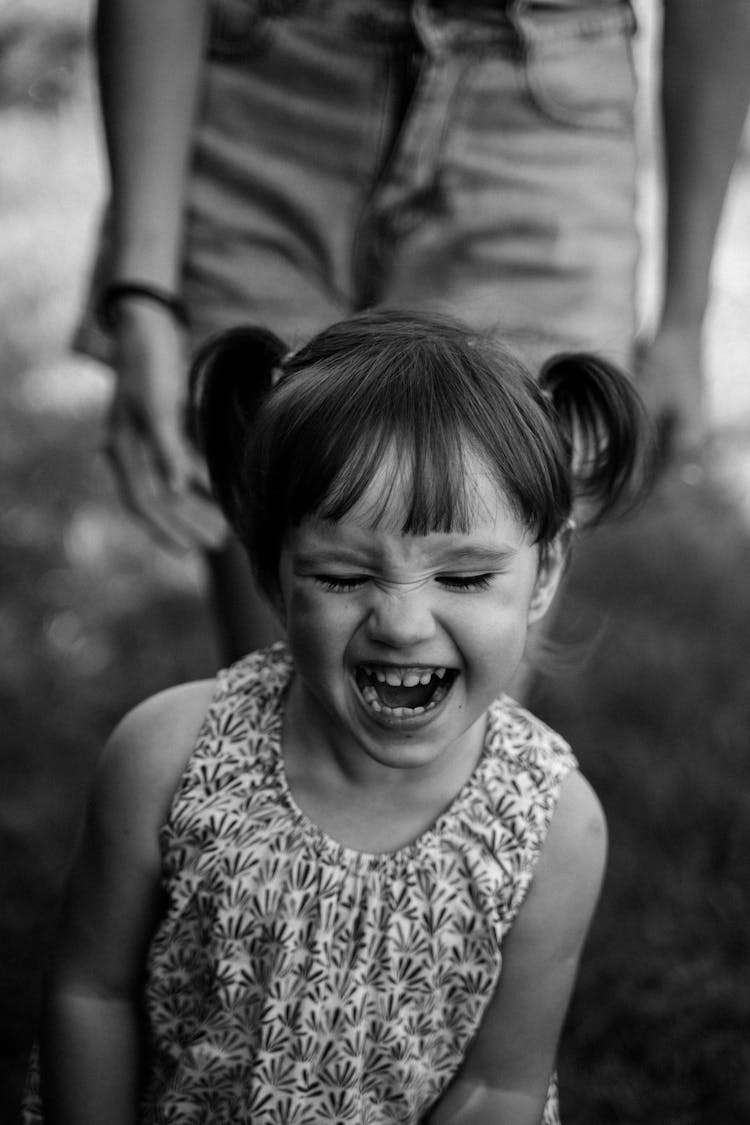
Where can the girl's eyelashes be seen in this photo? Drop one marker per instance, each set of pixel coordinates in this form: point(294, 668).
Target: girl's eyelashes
point(465, 581)
point(343, 582)
point(450, 581)
point(340, 582)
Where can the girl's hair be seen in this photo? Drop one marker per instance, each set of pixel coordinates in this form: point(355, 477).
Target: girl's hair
point(288, 436)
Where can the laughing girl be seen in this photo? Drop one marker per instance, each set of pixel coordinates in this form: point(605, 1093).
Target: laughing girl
point(349, 880)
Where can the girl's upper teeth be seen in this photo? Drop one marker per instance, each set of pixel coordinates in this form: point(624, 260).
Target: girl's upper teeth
point(405, 677)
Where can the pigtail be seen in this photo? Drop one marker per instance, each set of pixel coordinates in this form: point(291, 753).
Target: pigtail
point(605, 429)
point(229, 379)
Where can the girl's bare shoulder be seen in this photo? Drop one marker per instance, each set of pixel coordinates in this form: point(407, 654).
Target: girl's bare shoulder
point(146, 754)
point(164, 723)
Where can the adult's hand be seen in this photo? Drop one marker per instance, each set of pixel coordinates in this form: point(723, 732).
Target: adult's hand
point(161, 477)
point(670, 378)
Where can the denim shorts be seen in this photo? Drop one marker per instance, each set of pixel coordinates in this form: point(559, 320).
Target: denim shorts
point(471, 158)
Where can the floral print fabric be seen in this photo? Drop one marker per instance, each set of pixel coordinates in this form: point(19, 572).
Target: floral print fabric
point(294, 981)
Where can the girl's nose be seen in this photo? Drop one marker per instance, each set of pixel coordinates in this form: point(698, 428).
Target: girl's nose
point(400, 619)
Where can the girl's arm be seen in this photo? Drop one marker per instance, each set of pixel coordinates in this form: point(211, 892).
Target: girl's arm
point(90, 1043)
point(506, 1074)
point(150, 55)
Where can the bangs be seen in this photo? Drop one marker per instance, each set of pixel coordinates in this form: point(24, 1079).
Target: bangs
point(422, 489)
point(391, 430)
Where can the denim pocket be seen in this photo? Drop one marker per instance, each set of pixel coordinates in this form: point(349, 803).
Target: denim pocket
point(586, 80)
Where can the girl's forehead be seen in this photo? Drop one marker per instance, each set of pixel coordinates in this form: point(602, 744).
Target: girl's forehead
point(389, 496)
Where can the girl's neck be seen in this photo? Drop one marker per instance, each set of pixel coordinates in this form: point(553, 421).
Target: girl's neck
point(357, 801)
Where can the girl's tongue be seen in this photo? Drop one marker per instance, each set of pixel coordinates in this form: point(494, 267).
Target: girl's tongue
point(418, 696)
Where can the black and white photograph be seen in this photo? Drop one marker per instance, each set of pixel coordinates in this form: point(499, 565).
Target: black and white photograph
point(375, 562)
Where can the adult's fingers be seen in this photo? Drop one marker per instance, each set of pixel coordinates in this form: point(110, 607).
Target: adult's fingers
point(670, 379)
point(175, 514)
point(161, 477)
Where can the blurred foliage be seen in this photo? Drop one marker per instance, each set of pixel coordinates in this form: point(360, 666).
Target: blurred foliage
point(660, 720)
point(42, 52)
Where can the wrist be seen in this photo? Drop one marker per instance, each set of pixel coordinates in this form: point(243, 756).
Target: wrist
point(687, 284)
point(118, 296)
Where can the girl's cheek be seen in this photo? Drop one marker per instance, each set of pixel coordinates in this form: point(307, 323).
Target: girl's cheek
point(309, 606)
point(299, 606)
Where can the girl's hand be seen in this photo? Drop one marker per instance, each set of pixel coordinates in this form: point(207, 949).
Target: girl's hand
point(161, 477)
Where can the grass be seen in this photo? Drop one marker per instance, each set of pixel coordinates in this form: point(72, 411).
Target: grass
point(660, 719)
point(93, 617)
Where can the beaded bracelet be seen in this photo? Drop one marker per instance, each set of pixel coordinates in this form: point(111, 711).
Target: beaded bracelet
point(119, 290)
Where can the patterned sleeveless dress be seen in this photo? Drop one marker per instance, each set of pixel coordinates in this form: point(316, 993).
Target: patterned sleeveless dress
point(294, 981)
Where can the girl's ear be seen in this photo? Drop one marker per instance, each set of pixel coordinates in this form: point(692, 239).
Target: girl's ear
point(553, 563)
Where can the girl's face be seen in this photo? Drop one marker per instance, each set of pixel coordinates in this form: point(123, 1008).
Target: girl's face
point(401, 642)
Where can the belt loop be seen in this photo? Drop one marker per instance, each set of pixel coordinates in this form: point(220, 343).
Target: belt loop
point(515, 15)
point(633, 17)
point(425, 28)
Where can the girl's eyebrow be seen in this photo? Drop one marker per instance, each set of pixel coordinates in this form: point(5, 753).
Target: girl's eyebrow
point(327, 556)
point(466, 555)
point(477, 555)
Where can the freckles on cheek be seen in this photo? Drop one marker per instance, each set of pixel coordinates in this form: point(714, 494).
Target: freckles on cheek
point(302, 610)
point(309, 619)
point(502, 656)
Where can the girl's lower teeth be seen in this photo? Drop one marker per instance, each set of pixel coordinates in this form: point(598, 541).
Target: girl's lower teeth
point(370, 696)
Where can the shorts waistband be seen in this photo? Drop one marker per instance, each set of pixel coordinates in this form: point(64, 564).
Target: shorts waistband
point(439, 25)
point(464, 22)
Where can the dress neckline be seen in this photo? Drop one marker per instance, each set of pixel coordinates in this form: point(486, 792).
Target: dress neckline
point(324, 844)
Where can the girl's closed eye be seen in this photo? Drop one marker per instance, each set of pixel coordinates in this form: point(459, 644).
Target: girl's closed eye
point(340, 582)
point(465, 581)
point(345, 582)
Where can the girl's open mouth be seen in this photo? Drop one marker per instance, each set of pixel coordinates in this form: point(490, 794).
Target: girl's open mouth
point(402, 691)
